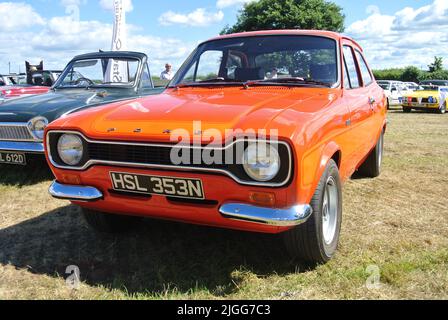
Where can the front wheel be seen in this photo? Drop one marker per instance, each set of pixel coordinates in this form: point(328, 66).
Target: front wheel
point(108, 223)
point(316, 241)
point(442, 109)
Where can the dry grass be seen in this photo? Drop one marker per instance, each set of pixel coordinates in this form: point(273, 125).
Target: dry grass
point(398, 222)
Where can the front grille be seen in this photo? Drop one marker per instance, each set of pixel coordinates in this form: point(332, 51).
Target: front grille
point(424, 100)
point(130, 153)
point(159, 156)
point(139, 154)
point(14, 132)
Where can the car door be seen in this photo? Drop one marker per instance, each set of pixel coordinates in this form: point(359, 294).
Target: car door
point(395, 94)
point(359, 103)
point(375, 98)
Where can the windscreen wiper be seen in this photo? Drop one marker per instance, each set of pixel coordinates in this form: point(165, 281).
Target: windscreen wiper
point(288, 81)
point(209, 82)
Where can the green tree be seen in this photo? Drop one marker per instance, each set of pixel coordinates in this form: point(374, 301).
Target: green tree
point(288, 14)
point(411, 74)
point(437, 65)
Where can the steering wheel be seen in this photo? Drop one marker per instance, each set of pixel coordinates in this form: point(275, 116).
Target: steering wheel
point(78, 81)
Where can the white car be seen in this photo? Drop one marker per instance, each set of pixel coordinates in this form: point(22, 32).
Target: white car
point(412, 86)
point(394, 90)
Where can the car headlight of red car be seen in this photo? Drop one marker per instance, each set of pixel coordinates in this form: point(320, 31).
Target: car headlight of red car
point(70, 149)
point(261, 161)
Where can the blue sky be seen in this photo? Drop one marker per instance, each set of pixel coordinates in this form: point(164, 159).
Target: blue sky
point(393, 33)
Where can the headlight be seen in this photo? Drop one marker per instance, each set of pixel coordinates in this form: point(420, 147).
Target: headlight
point(70, 149)
point(261, 161)
point(37, 127)
point(432, 100)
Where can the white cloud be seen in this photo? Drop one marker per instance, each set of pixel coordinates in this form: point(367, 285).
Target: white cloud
point(409, 37)
point(18, 16)
point(67, 3)
point(59, 39)
point(228, 3)
point(109, 5)
point(197, 18)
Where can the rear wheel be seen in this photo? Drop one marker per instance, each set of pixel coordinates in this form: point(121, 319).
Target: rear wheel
point(316, 241)
point(371, 167)
point(407, 110)
point(442, 109)
point(109, 223)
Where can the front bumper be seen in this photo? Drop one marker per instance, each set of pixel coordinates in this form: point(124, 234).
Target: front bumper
point(290, 217)
point(18, 146)
point(421, 106)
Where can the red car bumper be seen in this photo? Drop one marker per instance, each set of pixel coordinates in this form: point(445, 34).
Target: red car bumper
point(227, 205)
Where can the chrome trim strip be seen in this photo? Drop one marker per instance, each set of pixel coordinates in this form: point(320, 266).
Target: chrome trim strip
point(291, 217)
point(19, 146)
point(172, 167)
point(75, 193)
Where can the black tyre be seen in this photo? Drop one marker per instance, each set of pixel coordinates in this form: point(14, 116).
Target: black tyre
point(388, 104)
point(109, 223)
point(316, 241)
point(371, 168)
point(407, 110)
point(442, 109)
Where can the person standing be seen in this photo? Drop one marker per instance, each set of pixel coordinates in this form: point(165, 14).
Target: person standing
point(167, 73)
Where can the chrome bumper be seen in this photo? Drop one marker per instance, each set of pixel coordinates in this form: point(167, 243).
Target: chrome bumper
point(17, 146)
point(244, 212)
point(75, 193)
point(275, 217)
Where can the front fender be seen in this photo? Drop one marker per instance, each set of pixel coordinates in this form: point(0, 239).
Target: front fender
point(312, 167)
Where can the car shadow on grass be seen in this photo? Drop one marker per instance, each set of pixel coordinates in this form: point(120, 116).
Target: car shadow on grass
point(156, 256)
point(34, 172)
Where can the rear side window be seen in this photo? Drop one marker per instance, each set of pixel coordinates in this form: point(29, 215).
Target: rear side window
point(351, 67)
point(365, 73)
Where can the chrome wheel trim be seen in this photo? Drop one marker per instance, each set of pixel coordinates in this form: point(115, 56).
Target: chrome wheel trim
point(330, 207)
point(380, 151)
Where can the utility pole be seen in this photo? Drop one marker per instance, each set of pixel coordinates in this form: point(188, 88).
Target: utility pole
point(9, 67)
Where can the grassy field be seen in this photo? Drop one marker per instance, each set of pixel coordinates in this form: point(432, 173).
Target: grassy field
point(395, 230)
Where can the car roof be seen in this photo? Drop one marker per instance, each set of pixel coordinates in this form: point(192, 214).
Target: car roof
point(111, 54)
point(317, 33)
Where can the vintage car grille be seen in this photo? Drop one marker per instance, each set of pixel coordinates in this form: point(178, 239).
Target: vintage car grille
point(130, 153)
point(159, 156)
point(424, 100)
point(15, 132)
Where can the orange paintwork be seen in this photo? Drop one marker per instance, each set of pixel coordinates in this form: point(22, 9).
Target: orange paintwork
point(318, 123)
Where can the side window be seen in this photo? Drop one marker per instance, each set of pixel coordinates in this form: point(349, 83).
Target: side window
point(146, 78)
point(351, 67)
point(365, 73)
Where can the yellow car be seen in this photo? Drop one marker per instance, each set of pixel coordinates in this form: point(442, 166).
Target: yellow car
point(432, 96)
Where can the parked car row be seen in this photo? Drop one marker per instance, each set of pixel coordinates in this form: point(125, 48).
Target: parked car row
point(396, 90)
point(225, 144)
point(431, 96)
point(16, 86)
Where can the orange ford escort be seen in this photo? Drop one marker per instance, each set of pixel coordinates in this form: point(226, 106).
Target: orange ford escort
point(256, 132)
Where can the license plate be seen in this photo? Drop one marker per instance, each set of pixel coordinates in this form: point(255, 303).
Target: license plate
point(157, 185)
point(13, 158)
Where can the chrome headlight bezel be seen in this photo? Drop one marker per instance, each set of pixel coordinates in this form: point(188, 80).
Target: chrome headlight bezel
point(37, 127)
point(261, 161)
point(70, 148)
